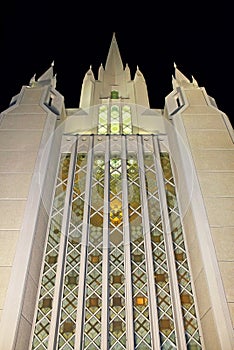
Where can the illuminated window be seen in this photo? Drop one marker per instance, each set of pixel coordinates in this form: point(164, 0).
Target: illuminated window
point(114, 94)
point(118, 121)
point(102, 120)
point(115, 125)
point(126, 120)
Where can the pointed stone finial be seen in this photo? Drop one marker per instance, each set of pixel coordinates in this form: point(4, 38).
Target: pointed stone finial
point(33, 77)
point(180, 77)
point(195, 83)
point(174, 82)
point(32, 80)
point(127, 67)
point(54, 81)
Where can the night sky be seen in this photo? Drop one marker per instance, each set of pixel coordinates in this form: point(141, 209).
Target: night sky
point(198, 37)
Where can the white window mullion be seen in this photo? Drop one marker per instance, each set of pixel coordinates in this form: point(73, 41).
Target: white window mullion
point(127, 253)
point(105, 257)
point(148, 252)
point(69, 147)
point(176, 304)
point(84, 245)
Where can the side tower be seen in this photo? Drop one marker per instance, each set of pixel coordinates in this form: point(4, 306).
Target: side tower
point(26, 184)
point(206, 195)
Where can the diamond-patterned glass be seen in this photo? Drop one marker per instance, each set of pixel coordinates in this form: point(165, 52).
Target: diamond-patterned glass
point(117, 330)
point(42, 325)
point(93, 300)
point(72, 268)
point(183, 274)
point(138, 259)
point(161, 274)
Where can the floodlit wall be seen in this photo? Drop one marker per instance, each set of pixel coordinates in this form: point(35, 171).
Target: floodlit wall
point(25, 150)
point(201, 138)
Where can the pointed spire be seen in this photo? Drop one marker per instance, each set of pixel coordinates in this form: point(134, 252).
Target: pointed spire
point(174, 82)
point(195, 83)
point(139, 75)
point(100, 72)
point(89, 74)
point(32, 80)
point(114, 63)
point(181, 79)
point(48, 75)
point(54, 81)
point(127, 72)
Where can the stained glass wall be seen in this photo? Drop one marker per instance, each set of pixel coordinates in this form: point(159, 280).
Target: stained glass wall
point(116, 272)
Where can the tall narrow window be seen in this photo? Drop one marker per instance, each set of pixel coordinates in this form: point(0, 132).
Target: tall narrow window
point(126, 120)
point(183, 275)
point(161, 273)
point(115, 125)
point(117, 332)
point(44, 311)
point(93, 307)
point(102, 120)
point(72, 268)
point(138, 258)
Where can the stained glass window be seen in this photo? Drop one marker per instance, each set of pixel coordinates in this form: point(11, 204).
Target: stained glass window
point(114, 192)
point(47, 288)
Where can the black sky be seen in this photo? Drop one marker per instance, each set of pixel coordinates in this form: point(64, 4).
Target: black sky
point(197, 36)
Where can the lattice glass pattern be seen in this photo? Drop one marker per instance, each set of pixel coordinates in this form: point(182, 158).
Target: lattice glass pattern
point(138, 261)
point(102, 120)
point(183, 274)
point(92, 322)
point(72, 268)
point(115, 125)
point(126, 120)
point(161, 274)
point(44, 311)
point(120, 120)
point(117, 331)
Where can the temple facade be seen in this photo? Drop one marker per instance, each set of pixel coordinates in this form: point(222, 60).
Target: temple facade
point(117, 223)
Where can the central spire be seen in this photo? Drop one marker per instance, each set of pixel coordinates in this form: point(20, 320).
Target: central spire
point(114, 63)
